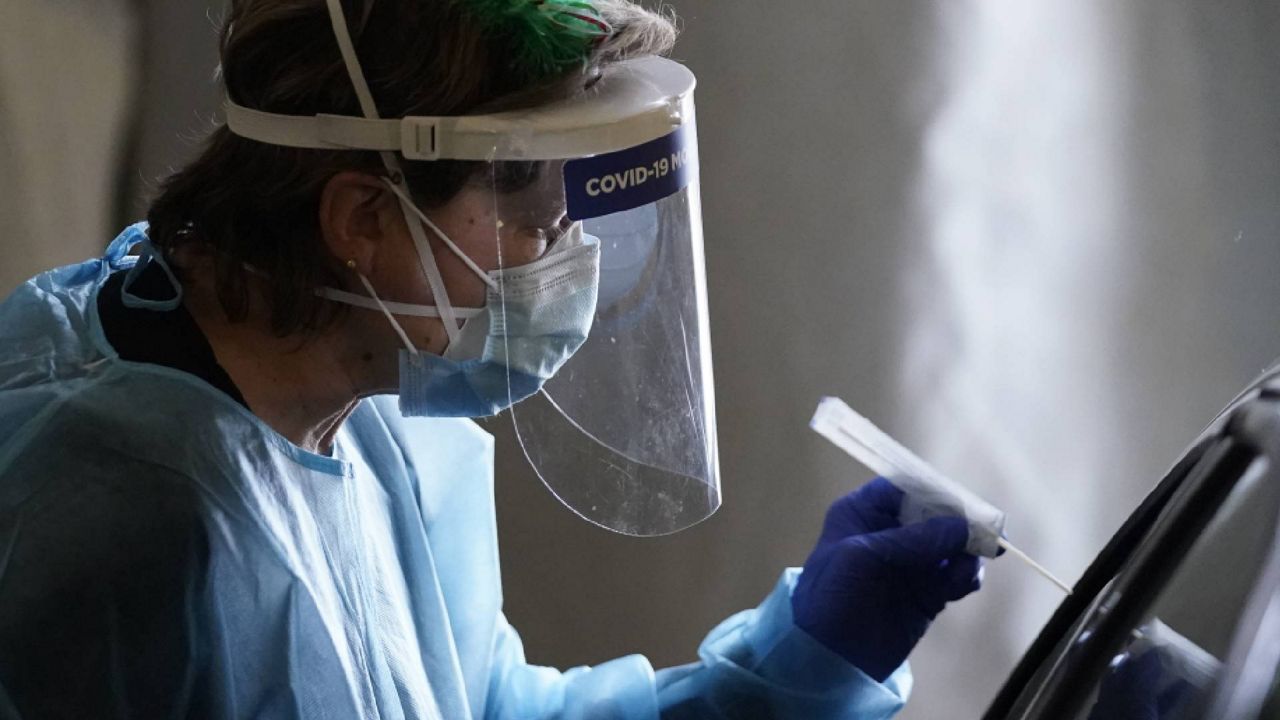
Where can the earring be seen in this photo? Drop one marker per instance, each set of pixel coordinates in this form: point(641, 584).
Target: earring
point(351, 264)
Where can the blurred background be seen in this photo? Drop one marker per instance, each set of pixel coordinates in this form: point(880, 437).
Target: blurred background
point(1039, 242)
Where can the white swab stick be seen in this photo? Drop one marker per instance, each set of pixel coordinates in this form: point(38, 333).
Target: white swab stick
point(929, 490)
point(1035, 565)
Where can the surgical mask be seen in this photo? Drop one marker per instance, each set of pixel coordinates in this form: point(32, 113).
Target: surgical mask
point(535, 318)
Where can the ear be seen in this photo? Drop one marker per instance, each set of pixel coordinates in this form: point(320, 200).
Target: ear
point(357, 214)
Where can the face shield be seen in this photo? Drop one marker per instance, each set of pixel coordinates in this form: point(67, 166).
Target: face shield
point(594, 331)
point(624, 433)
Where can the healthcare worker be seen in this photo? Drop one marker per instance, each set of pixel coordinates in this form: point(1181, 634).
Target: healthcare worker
point(236, 475)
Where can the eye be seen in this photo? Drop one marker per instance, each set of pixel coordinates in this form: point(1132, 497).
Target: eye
point(535, 233)
point(554, 232)
point(530, 242)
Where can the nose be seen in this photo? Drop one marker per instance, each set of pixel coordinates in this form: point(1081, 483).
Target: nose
point(561, 228)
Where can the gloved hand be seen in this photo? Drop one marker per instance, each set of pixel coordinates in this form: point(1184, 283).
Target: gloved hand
point(871, 587)
point(1131, 691)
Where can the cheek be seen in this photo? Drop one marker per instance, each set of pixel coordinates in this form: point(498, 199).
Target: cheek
point(470, 222)
point(480, 241)
point(475, 239)
point(399, 274)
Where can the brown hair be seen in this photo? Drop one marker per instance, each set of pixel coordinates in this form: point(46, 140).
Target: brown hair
point(258, 204)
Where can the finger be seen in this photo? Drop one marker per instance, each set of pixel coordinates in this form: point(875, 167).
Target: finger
point(871, 508)
point(1178, 694)
point(926, 544)
point(961, 576)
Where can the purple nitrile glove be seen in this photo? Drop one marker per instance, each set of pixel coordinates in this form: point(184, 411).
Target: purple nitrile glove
point(871, 587)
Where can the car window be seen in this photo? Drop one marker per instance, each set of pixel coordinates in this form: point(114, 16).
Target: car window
point(1166, 663)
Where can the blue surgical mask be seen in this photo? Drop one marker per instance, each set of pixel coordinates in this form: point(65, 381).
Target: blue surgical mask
point(535, 318)
point(532, 324)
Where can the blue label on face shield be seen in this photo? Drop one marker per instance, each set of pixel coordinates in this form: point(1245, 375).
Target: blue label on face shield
point(627, 179)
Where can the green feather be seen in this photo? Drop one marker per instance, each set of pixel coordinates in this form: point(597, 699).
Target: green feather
point(551, 37)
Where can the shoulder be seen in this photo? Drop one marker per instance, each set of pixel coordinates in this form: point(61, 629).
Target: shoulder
point(48, 317)
point(53, 304)
point(85, 523)
point(71, 459)
point(106, 556)
point(98, 447)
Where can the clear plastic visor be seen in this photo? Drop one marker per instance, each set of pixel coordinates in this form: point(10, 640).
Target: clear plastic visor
point(624, 433)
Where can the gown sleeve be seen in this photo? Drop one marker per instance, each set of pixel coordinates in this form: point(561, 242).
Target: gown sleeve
point(756, 664)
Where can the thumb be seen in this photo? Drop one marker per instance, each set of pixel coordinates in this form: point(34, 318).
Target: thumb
point(873, 507)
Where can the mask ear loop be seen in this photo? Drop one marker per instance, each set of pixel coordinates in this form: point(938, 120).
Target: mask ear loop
point(150, 255)
point(427, 259)
point(370, 109)
point(407, 203)
point(395, 324)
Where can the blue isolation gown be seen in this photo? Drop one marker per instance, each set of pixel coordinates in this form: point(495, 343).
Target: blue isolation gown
point(163, 553)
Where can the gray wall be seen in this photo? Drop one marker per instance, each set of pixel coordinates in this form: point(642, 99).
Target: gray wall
point(1036, 241)
point(62, 121)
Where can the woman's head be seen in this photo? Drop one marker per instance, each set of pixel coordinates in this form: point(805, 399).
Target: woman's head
point(266, 206)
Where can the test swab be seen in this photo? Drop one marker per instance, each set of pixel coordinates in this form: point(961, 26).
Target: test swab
point(1035, 565)
point(927, 492)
